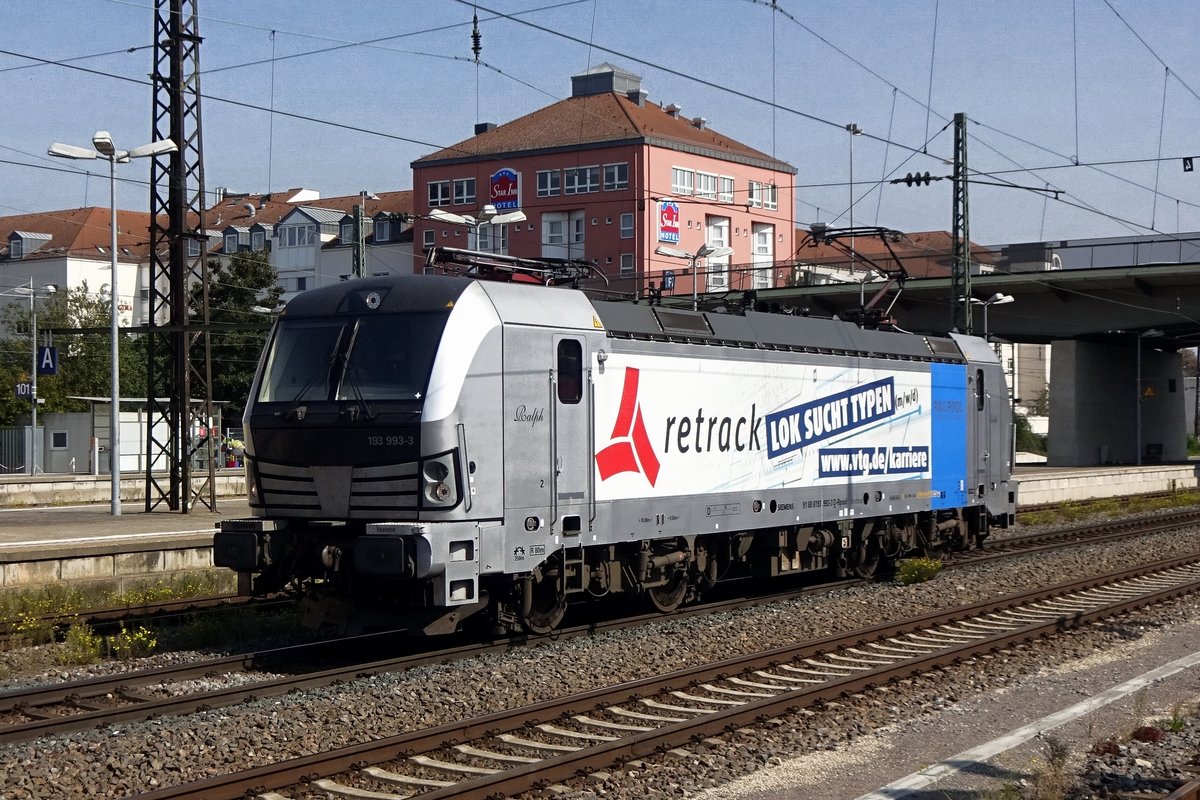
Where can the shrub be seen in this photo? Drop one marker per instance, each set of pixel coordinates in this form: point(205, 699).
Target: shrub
point(82, 645)
point(917, 570)
point(1027, 440)
point(130, 644)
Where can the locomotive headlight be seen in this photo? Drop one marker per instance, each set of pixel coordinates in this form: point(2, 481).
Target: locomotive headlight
point(438, 481)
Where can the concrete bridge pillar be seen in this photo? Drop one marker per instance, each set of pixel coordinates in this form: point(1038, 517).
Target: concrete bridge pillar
point(1107, 402)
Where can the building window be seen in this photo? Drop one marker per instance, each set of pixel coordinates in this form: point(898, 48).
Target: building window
point(493, 239)
point(682, 180)
point(231, 243)
point(297, 235)
point(383, 230)
point(193, 248)
point(428, 237)
point(258, 240)
point(439, 193)
point(554, 229)
point(549, 183)
point(706, 185)
point(348, 233)
point(626, 264)
point(762, 255)
point(16, 249)
point(725, 189)
point(616, 176)
point(563, 234)
point(763, 195)
point(301, 284)
point(59, 440)
point(627, 226)
point(581, 180)
point(716, 234)
point(464, 191)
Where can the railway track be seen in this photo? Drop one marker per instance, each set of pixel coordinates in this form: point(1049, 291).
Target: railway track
point(61, 708)
point(508, 752)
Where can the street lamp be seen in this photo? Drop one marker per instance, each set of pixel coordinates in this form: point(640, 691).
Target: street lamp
point(705, 251)
point(488, 215)
point(105, 149)
point(997, 299)
point(29, 290)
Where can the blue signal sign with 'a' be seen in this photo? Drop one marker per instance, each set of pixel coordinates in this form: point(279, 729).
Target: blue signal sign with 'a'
point(47, 361)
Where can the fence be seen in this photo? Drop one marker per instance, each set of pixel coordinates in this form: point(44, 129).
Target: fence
point(14, 450)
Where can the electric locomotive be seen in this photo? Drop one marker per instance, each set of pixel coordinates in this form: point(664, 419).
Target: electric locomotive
point(424, 449)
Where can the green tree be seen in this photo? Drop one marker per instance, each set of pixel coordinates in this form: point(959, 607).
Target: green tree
point(235, 288)
point(79, 320)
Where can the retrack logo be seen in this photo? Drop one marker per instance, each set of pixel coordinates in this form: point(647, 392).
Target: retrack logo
point(630, 450)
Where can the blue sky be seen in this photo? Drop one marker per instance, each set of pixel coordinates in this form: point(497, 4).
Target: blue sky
point(1043, 83)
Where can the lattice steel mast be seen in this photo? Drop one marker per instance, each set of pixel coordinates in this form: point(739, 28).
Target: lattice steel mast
point(960, 283)
point(179, 363)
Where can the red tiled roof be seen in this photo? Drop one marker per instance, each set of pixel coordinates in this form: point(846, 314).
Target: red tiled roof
point(272, 207)
point(78, 232)
point(592, 120)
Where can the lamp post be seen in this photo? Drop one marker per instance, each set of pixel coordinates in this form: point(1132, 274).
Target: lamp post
point(488, 215)
point(105, 149)
point(997, 299)
point(33, 364)
point(852, 129)
point(705, 251)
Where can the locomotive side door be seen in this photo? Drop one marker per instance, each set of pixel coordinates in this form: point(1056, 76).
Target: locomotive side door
point(571, 436)
point(983, 446)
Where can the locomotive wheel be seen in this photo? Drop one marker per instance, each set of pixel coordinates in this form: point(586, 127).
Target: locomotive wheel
point(548, 606)
point(670, 595)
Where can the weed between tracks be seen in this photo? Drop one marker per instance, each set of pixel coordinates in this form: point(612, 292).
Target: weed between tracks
point(29, 614)
point(1107, 507)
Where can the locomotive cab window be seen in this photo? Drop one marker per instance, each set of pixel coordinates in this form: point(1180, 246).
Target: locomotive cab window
point(384, 357)
point(979, 389)
point(570, 371)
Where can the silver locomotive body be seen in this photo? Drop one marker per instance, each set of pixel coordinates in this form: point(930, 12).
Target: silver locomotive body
point(419, 449)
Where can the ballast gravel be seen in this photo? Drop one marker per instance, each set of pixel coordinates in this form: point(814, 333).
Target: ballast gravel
point(121, 760)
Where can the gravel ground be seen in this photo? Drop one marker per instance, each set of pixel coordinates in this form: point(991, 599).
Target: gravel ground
point(126, 759)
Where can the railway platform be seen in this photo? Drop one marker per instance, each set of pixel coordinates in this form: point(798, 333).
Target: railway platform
point(84, 543)
point(59, 529)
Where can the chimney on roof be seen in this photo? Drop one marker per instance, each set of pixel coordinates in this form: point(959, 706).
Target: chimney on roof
point(699, 122)
point(672, 110)
point(484, 127)
point(637, 95)
point(250, 209)
point(220, 194)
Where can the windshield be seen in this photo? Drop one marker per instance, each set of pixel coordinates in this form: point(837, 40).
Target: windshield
point(376, 357)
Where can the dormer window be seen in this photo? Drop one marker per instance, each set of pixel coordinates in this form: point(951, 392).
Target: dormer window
point(383, 230)
point(25, 243)
point(347, 233)
point(231, 242)
point(258, 240)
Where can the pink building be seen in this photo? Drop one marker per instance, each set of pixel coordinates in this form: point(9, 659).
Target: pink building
point(611, 178)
